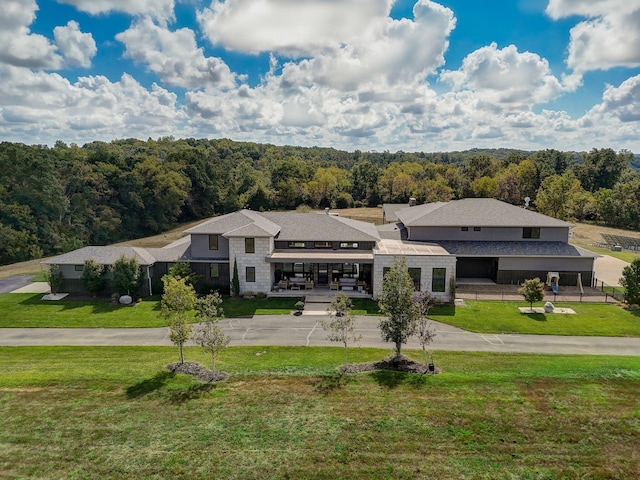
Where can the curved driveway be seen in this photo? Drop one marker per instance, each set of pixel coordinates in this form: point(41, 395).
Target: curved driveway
point(288, 330)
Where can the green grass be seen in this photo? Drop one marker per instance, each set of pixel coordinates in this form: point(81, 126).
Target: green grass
point(28, 310)
point(624, 255)
point(74, 412)
point(504, 317)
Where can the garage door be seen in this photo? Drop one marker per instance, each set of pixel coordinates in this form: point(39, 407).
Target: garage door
point(477, 268)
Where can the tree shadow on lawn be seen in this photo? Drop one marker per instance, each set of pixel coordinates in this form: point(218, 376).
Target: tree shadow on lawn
point(538, 317)
point(175, 395)
point(392, 379)
point(149, 385)
point(327, 384)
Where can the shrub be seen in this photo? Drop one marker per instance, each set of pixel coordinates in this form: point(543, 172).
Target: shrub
point(261, 295)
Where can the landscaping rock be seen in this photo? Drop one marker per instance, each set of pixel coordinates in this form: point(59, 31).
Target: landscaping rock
point(126, 300)
point(196, 370)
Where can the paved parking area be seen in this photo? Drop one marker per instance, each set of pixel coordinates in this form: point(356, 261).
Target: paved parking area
point(9, 284)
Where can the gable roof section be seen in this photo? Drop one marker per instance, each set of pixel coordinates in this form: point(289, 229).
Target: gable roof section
point(244, 223)
point(321, 227)
point(475, 212)
point(102, 255)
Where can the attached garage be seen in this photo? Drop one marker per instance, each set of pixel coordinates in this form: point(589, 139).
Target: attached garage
point(477, 267)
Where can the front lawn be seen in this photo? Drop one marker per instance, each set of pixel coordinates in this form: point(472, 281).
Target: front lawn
point(593, 319)
point(112, 413)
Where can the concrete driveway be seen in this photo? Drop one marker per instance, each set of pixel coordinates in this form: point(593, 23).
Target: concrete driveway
point(609, 270)
point(289, 330)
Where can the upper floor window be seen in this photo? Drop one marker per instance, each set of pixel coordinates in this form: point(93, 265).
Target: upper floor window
point(297, 245)
point(78, 268)
point(323, 244)
point(349, 245)
point(249, 245)
point(213, 242)
point(531, 232)
point(464, 229)
point(477, 229)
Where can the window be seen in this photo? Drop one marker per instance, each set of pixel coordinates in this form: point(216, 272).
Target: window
point(323, 245)
point(297, 245)
point(78, 268)
point(349, 245)
point(464, 229)
point(438, 279)
point(249, 245)
point(531, 232)
point(477, 229)
point(214, 270)
point(415, 274)
point(213, 242)
point(251, 274)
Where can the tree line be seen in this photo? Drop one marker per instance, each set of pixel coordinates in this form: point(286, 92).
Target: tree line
point(54, 200)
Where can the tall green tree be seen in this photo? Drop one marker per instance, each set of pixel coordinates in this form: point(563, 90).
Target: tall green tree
point(631, 282)
point(396, 304)
point(126, 275)
point(177, 300)
point(93, 276)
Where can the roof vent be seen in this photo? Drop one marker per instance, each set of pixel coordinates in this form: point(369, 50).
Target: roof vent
point(412, 202)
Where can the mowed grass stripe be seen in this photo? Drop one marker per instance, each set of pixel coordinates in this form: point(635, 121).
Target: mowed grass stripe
point(284, 413)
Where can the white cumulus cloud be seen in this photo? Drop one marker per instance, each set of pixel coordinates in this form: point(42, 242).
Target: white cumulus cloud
point(158, 9)
point(608, 38)
point(505, 76)
point(78, 48)
point(20, 47)
point(174, 56)
point(290, 27)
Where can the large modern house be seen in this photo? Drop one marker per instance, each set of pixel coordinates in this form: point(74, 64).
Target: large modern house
point(284, 253)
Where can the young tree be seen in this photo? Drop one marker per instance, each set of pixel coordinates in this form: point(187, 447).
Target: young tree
point(126, 275)
point(532, 291)
point(210, 336)
point(178, 298)
point(397, 305)
point(631, 282)
point(93, 276)
point(424, 329)
point(235, 280)
point(342, 325)
point(54, 278)
point(183, 270)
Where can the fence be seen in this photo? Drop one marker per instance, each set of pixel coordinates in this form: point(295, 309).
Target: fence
point(506, 293)
point(615, 292)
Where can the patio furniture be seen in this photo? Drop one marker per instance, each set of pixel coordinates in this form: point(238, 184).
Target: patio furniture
point(347, 284)
point(308, 284)
point(284, 284)
point(334, 286)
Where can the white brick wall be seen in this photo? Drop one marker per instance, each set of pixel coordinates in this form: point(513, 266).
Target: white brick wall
point(263, 247)
point(426, 263)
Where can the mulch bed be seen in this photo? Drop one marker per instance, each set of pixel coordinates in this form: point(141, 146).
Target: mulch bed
point(393, 362)
point(197, 370)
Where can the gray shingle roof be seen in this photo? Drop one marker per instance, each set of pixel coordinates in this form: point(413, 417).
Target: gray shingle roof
point(321, 227)
point(517, 249)
point(102, 255)
point(226, 224)
point(475, 212)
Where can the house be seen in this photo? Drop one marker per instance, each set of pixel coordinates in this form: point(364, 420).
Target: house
point(283, 252)
point(497, 241)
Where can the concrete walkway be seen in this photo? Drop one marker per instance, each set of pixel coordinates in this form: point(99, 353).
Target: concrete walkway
point(289, 330)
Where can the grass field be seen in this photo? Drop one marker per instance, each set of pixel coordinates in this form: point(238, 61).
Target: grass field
point(284, 413)
point(504, 317)
point(27, 310)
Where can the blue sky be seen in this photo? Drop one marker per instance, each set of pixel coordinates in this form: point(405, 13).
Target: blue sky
point(413, 75)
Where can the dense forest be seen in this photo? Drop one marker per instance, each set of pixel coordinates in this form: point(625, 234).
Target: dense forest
point(57, 199)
